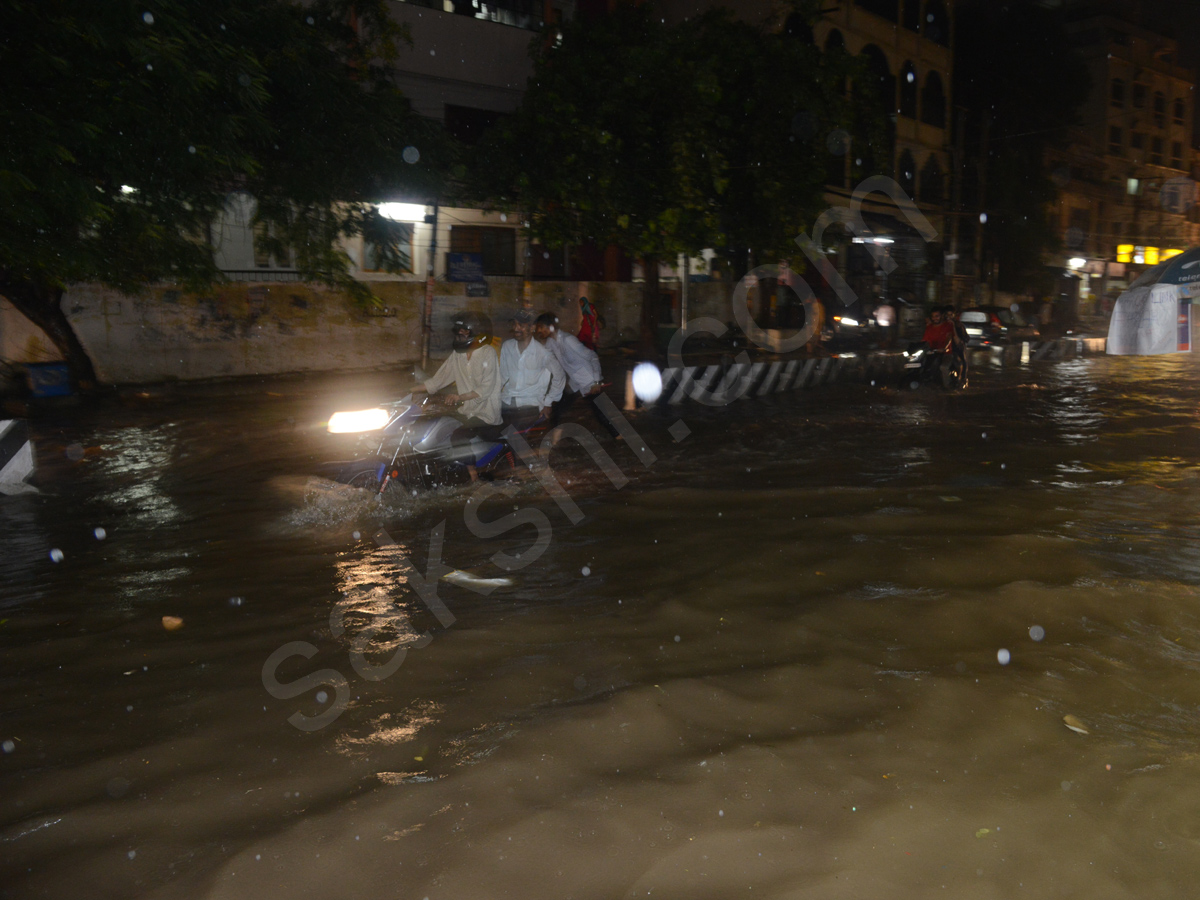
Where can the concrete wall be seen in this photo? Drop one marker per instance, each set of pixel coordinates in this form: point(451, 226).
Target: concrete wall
point(269, 328)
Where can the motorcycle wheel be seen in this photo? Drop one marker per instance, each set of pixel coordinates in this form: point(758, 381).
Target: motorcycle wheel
point(364, 480)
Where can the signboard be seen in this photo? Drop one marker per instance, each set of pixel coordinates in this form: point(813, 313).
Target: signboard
point(1185, 325)
point(464, 267)
point(477, 289)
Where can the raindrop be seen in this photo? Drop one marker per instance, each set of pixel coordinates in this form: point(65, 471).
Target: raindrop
point(191, 148)
point(838, 142)
point(984, 435)
point(677, 639)
point(236, 601)
point(75, 452)
point(244, 80)
point(1003, 656)
point(1037, 632)
point(983, 218)
point(99, 533)
point(911, 77)
point(433, 53)
point(309, 20)
point(149, 68)
point(8, 746)
point(720, 812)
point(132, 853)
point(56, 555)
point(411, 155)
point(129, 709)
point(586, 570)
point(322, 696)
point(148, 18)
point(1004, 465)
point(1066, 785)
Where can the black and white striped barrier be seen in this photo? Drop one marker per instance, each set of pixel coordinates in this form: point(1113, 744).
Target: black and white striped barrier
point(718, 385)
point(16, 455)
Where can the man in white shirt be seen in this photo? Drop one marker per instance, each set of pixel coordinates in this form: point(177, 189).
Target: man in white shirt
point(475, 372)
point(581, 365)
point(531, 379)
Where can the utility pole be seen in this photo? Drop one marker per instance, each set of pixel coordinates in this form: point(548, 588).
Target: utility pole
point(427, 318)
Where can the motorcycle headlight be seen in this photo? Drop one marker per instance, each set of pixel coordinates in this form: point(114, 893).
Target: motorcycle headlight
point(354, 421)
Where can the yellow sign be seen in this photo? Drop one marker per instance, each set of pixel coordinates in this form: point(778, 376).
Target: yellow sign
point(1152, 256)
point(1167, 254)
point(1124, 253)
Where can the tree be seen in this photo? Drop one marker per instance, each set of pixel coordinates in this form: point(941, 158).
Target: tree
point(1006, 56)
point(125, 126)
point(664, 140)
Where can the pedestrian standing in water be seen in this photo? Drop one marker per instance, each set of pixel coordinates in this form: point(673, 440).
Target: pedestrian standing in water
point(589, 324)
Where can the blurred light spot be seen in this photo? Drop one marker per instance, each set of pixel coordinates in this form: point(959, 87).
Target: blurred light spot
point(99, 533)
point(148, 18)
point(56, 555)
point(322, 696)
point(411, 155)
point(647, 382)
point(1003, 656)
point(1037, 632)
point(586, 570)
point(8, 746)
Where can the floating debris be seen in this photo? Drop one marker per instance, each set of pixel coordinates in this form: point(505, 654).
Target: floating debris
point(172, 623)
point(475, 582)
point(1075, 724)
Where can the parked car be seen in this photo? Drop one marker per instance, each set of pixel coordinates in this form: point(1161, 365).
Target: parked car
point(988, 326)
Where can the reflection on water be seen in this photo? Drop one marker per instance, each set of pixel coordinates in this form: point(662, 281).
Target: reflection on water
point(855, 642)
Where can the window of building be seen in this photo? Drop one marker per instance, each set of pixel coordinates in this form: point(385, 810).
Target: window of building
point(1178, 110)
point(1176, 154)
point(908, 90)
point(497, 246)
point(1160, 110)
point(933, 101)
point(885, 9)
point(1137, 140)
point(391, 251)
point(937, 23)
point(1139, 96)
point(1116, 141)
point(911, 16)
point(931, 181)
point(1116, 95)
point(1156, 151)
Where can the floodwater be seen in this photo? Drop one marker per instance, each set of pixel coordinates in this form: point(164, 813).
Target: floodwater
point(821, 647)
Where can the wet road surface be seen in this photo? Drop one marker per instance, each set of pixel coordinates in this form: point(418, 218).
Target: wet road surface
point(821, 647)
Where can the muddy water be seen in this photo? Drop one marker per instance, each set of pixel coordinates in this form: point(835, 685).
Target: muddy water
point(771, 665)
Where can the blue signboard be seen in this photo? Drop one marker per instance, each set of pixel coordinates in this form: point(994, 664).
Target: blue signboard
point(464, 267)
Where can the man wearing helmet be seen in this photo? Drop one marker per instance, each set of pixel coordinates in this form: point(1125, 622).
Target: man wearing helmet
point(474, 370)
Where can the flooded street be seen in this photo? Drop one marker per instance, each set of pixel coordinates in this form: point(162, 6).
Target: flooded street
point(821, 647)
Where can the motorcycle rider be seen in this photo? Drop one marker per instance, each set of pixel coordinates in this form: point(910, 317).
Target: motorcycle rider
point(474, 370)
point(581, 365)
point(531, 378)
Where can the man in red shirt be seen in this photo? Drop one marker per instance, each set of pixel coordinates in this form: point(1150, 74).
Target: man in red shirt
point(939, 333)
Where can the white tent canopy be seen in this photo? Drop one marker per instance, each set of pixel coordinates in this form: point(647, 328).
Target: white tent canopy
point(1154, 315)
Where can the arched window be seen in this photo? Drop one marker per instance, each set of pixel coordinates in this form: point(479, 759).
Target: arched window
point(931, 181)
point(906, 173)
point(885, 9)
point(1116, 94)
point(1177, 111)
point(933, 101)
point(880, 78)
point(908, 90)
point(834, 41)
point(911, 17)
point(937, 23)
point(1160, 110)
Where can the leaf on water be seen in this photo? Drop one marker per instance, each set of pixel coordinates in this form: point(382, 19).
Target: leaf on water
point(1075, 724)
point(982, 831)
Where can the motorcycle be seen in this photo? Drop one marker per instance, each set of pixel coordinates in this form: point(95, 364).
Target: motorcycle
point(925, 366)
point(412, 444)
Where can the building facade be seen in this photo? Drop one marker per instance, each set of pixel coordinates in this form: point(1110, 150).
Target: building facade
point(1125, 176)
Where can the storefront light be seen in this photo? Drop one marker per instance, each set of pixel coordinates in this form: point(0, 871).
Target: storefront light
point(1139, 255)
point(403, 212)
point(1152, 256)
point(1167, 254)
point(1077, 262)
point(1124, 253)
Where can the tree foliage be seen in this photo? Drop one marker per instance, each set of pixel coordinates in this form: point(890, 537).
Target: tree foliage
point(667, 139)
point(125, 126)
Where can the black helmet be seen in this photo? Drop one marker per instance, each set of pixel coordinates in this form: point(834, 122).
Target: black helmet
point(478, 330)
